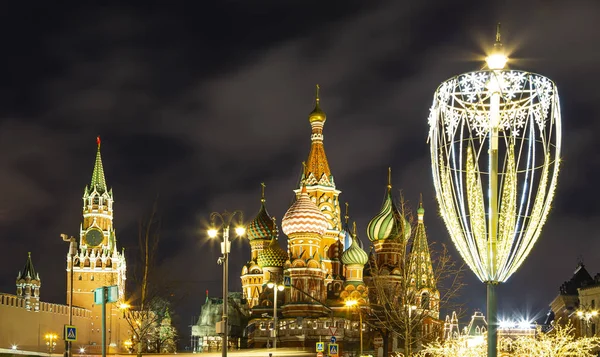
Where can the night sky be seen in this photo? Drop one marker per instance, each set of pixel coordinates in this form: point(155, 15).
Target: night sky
point(199, 102)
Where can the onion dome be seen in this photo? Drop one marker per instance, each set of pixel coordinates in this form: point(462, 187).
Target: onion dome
point(420, 210)
point(272, 256)
point(317, 114)
point(262, 226)
point(388, 223)
point(304, 217)
point(355, 255)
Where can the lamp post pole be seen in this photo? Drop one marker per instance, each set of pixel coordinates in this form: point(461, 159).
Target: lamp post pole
point(275, 287)
point(225, 218)
point(275, 317)
point(225, 323)
point(351, 303)
point(360, 329)
point(72, 253)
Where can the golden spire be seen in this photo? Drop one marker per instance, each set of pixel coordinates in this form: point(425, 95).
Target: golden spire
point(354, 229)
point(498, 33)
point(316, 164)
point(318, 87)
point(346, 217)
point(497, 59)
point(317, 115)
point(262, 192)
point(389, 185)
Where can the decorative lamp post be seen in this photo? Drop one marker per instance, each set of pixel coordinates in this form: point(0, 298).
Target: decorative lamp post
point(586, 316)
point(213, 232)
point(72, 254)
point(354, 303)
point(51, 342)
point(495, 139)
point(275, 287)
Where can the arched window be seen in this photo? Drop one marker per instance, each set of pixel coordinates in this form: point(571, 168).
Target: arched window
point(425, 301)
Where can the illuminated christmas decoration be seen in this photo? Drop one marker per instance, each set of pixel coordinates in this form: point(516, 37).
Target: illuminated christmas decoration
point(495, 139)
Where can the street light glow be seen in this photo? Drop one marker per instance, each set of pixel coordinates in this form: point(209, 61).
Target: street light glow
point(240, 231)
point(212, 232)
point(496, 61)
point(351, 302)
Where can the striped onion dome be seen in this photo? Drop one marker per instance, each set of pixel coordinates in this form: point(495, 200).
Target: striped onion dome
point(272, 256)
point(355, 254)
point(388, 223)
point(262, 226)
point(304, 217)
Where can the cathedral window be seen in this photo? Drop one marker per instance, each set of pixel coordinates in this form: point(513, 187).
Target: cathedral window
point(80, 277)
point(92, 278)
point(425, 301)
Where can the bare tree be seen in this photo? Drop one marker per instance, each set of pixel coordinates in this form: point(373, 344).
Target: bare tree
point(399, 304)
point(149, 303)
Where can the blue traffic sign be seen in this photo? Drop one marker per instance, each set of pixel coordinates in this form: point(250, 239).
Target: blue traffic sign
point(320, 346)
point(333, 350)
point(287, 281)
point(70, 333)
point(333, 339)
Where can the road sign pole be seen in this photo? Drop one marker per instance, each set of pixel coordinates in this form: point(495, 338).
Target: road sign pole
point(104, 298)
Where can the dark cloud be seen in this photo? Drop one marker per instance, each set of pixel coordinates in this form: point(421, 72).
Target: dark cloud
point(199, 104)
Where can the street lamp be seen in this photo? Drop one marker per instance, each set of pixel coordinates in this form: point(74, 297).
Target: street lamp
point(275, 287)
point(51, 342)
point(495, 137)
point(351, 303)
point(587, 316)
point(72, 253)
point(213, 232)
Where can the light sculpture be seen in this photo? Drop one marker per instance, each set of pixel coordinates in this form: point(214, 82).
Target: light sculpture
point(495, 138)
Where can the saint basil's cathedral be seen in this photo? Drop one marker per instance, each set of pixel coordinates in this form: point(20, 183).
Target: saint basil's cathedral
point(324, 263)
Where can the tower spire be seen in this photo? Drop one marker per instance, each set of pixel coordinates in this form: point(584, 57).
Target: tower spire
point(317, 164)
point(98, 179)
point(262, 192)
point(498, 33)
point(389, 184)
point(497, 59)
point(346, 216)
point(421, 268)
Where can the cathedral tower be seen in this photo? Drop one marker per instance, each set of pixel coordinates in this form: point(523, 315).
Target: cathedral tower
point(259, 233)
point(389, 232)
point(304, 224)
point(28, 285)
point(355, 258)
point(421, 270)
point(320, 186)
point(98, 262)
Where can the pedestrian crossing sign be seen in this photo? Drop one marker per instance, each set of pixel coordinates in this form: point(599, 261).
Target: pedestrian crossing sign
point(320, 346)
point(70, 333)
point(333, 350)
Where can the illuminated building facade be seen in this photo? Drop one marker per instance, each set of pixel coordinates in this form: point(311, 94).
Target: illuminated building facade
point(98, 263)
point(324, 263)
point(577, 303)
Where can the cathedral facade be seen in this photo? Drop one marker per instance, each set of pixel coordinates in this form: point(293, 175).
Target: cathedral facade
point(324, 265)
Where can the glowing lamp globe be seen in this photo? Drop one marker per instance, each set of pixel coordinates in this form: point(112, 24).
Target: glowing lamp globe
point(495, 140)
